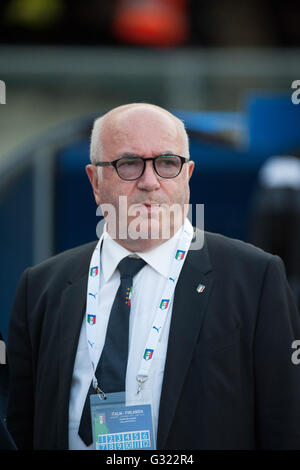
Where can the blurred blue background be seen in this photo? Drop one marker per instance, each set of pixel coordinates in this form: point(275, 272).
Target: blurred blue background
point(226, 71)
point(47, 206)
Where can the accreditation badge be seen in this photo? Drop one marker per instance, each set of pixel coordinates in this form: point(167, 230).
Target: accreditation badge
point(121, 425)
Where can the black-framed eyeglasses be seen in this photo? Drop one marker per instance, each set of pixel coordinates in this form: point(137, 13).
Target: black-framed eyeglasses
point(130, 168)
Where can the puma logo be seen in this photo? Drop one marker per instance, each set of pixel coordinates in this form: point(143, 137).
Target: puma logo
point(157, 329)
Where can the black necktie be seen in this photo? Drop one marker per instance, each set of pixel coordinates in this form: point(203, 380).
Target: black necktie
point(111, 368)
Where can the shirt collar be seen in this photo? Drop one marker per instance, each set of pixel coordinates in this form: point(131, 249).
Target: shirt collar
point(159, 258)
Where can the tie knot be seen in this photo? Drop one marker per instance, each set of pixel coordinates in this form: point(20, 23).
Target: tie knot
point(129, 267)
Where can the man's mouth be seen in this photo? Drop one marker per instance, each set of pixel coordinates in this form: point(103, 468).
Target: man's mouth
point(151, 206)
point(146, 208)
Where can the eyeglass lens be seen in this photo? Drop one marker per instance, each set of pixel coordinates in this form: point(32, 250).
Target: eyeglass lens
point(165, 166)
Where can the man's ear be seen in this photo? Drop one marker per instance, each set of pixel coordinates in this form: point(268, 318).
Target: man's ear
point(92, 172)
point(191, 166)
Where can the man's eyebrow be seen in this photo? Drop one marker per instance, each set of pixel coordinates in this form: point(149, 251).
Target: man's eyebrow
point(133, 155)
point(129, 154)
point(168, 152)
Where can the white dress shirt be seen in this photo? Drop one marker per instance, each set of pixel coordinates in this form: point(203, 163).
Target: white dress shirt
point(148, 287)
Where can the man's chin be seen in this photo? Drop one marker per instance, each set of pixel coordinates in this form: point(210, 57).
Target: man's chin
point(141, 244)
point(147, 229)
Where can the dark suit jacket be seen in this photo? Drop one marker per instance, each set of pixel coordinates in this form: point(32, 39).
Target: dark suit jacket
point(3, 385)
point(229, 381)
point(6, 442)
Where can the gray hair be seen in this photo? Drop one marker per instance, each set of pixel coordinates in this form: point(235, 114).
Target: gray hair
point(96, 144)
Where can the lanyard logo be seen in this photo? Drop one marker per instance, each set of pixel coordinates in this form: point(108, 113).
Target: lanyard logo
point(94, 271)
point(179, 254)
point(164, 304)
point(156, 328)
point(92, 319)
point(148, 354)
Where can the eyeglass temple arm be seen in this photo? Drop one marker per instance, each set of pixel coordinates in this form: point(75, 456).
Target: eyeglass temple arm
point(103, 163)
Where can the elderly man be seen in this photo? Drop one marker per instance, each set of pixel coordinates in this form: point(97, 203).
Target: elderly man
point(206, 333)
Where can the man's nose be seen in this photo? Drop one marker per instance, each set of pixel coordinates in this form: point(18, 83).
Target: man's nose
point(149, 180)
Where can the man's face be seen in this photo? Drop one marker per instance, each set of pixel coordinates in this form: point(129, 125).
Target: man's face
point(146, 133)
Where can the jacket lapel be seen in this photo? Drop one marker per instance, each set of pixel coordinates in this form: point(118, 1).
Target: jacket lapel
point(71, 312)
point(188, 312)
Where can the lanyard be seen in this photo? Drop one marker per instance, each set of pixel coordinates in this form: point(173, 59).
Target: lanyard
point(179, 255)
